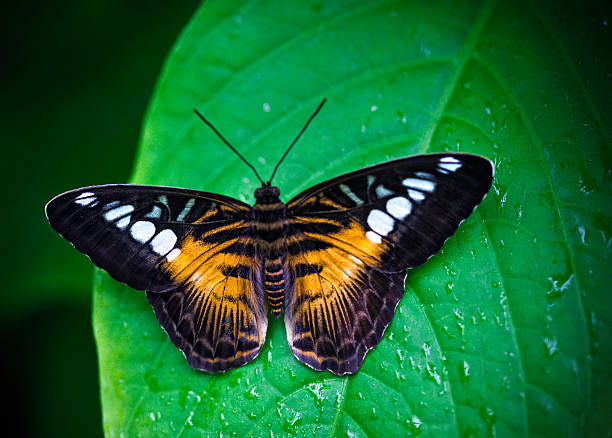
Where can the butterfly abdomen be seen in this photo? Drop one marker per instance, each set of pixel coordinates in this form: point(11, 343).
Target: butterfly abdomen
point(275, 283)
point(271, 225)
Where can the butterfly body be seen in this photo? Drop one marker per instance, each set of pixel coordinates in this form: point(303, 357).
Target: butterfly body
point(271, 227)
point(333, 259)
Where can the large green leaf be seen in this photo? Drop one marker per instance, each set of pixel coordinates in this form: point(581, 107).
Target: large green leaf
point(506, 332)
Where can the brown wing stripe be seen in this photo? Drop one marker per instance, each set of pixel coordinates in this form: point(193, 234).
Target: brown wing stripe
point(303, 269)
point(305, 246)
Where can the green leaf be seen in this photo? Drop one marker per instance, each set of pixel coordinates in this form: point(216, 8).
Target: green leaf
point(506, 332)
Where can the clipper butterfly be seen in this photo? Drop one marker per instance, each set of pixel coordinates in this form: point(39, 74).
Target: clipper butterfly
point(333, 259)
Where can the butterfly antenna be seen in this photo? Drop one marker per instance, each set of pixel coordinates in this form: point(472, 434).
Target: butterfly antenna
point(228, 144)
point(296, 138)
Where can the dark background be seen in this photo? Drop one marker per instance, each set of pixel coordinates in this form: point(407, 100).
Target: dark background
point(76, 80)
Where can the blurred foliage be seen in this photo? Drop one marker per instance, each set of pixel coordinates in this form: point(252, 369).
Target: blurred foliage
point(506, 332)
point(76, 79)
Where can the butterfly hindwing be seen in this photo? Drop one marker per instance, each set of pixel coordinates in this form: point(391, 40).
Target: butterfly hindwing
point(192, 251)
point(358, 233)
point(217, 317)
point(338, 309)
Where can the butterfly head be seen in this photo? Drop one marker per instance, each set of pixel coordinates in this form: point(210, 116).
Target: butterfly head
point(267, 194)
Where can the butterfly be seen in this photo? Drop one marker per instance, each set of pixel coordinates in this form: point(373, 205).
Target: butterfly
point(333, 258)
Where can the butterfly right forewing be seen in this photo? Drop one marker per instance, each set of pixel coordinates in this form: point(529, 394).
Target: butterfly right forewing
point(410, 205)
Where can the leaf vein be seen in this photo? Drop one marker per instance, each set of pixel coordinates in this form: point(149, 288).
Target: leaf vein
point(512, 326)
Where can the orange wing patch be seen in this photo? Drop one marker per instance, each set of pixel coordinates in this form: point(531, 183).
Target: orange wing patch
point(215, 316)
point(340, 303)
point(350, 242)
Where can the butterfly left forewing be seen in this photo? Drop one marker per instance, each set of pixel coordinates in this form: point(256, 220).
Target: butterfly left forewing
point(358, 233)
point(136, 232)
point(192, 251)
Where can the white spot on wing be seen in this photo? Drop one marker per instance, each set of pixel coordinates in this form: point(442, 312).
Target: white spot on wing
point(85, 199)
point(449, 160)
point(142, 231)
point(164, 200)
point(451, 167)
point(373, 237)
point(355, 259)
point(163, 242)
point(399, 207)
point(123, 222)
point(416, 195)
point(380, 222)
point(155, 213)
point(450, 163)
point(382, 191)
point(186, 210)
point(111, 205)
point(348, 192)
point(174, 254)
point(118, 212)
point(420, 184)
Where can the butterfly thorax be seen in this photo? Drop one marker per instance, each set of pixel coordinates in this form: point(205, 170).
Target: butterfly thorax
point(270, 227)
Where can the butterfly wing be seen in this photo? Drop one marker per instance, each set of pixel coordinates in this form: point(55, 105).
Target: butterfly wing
point(192, 251)
point(217, 317)
point(353, 237)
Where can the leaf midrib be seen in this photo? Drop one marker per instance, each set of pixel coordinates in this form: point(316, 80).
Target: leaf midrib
point(342, 394)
